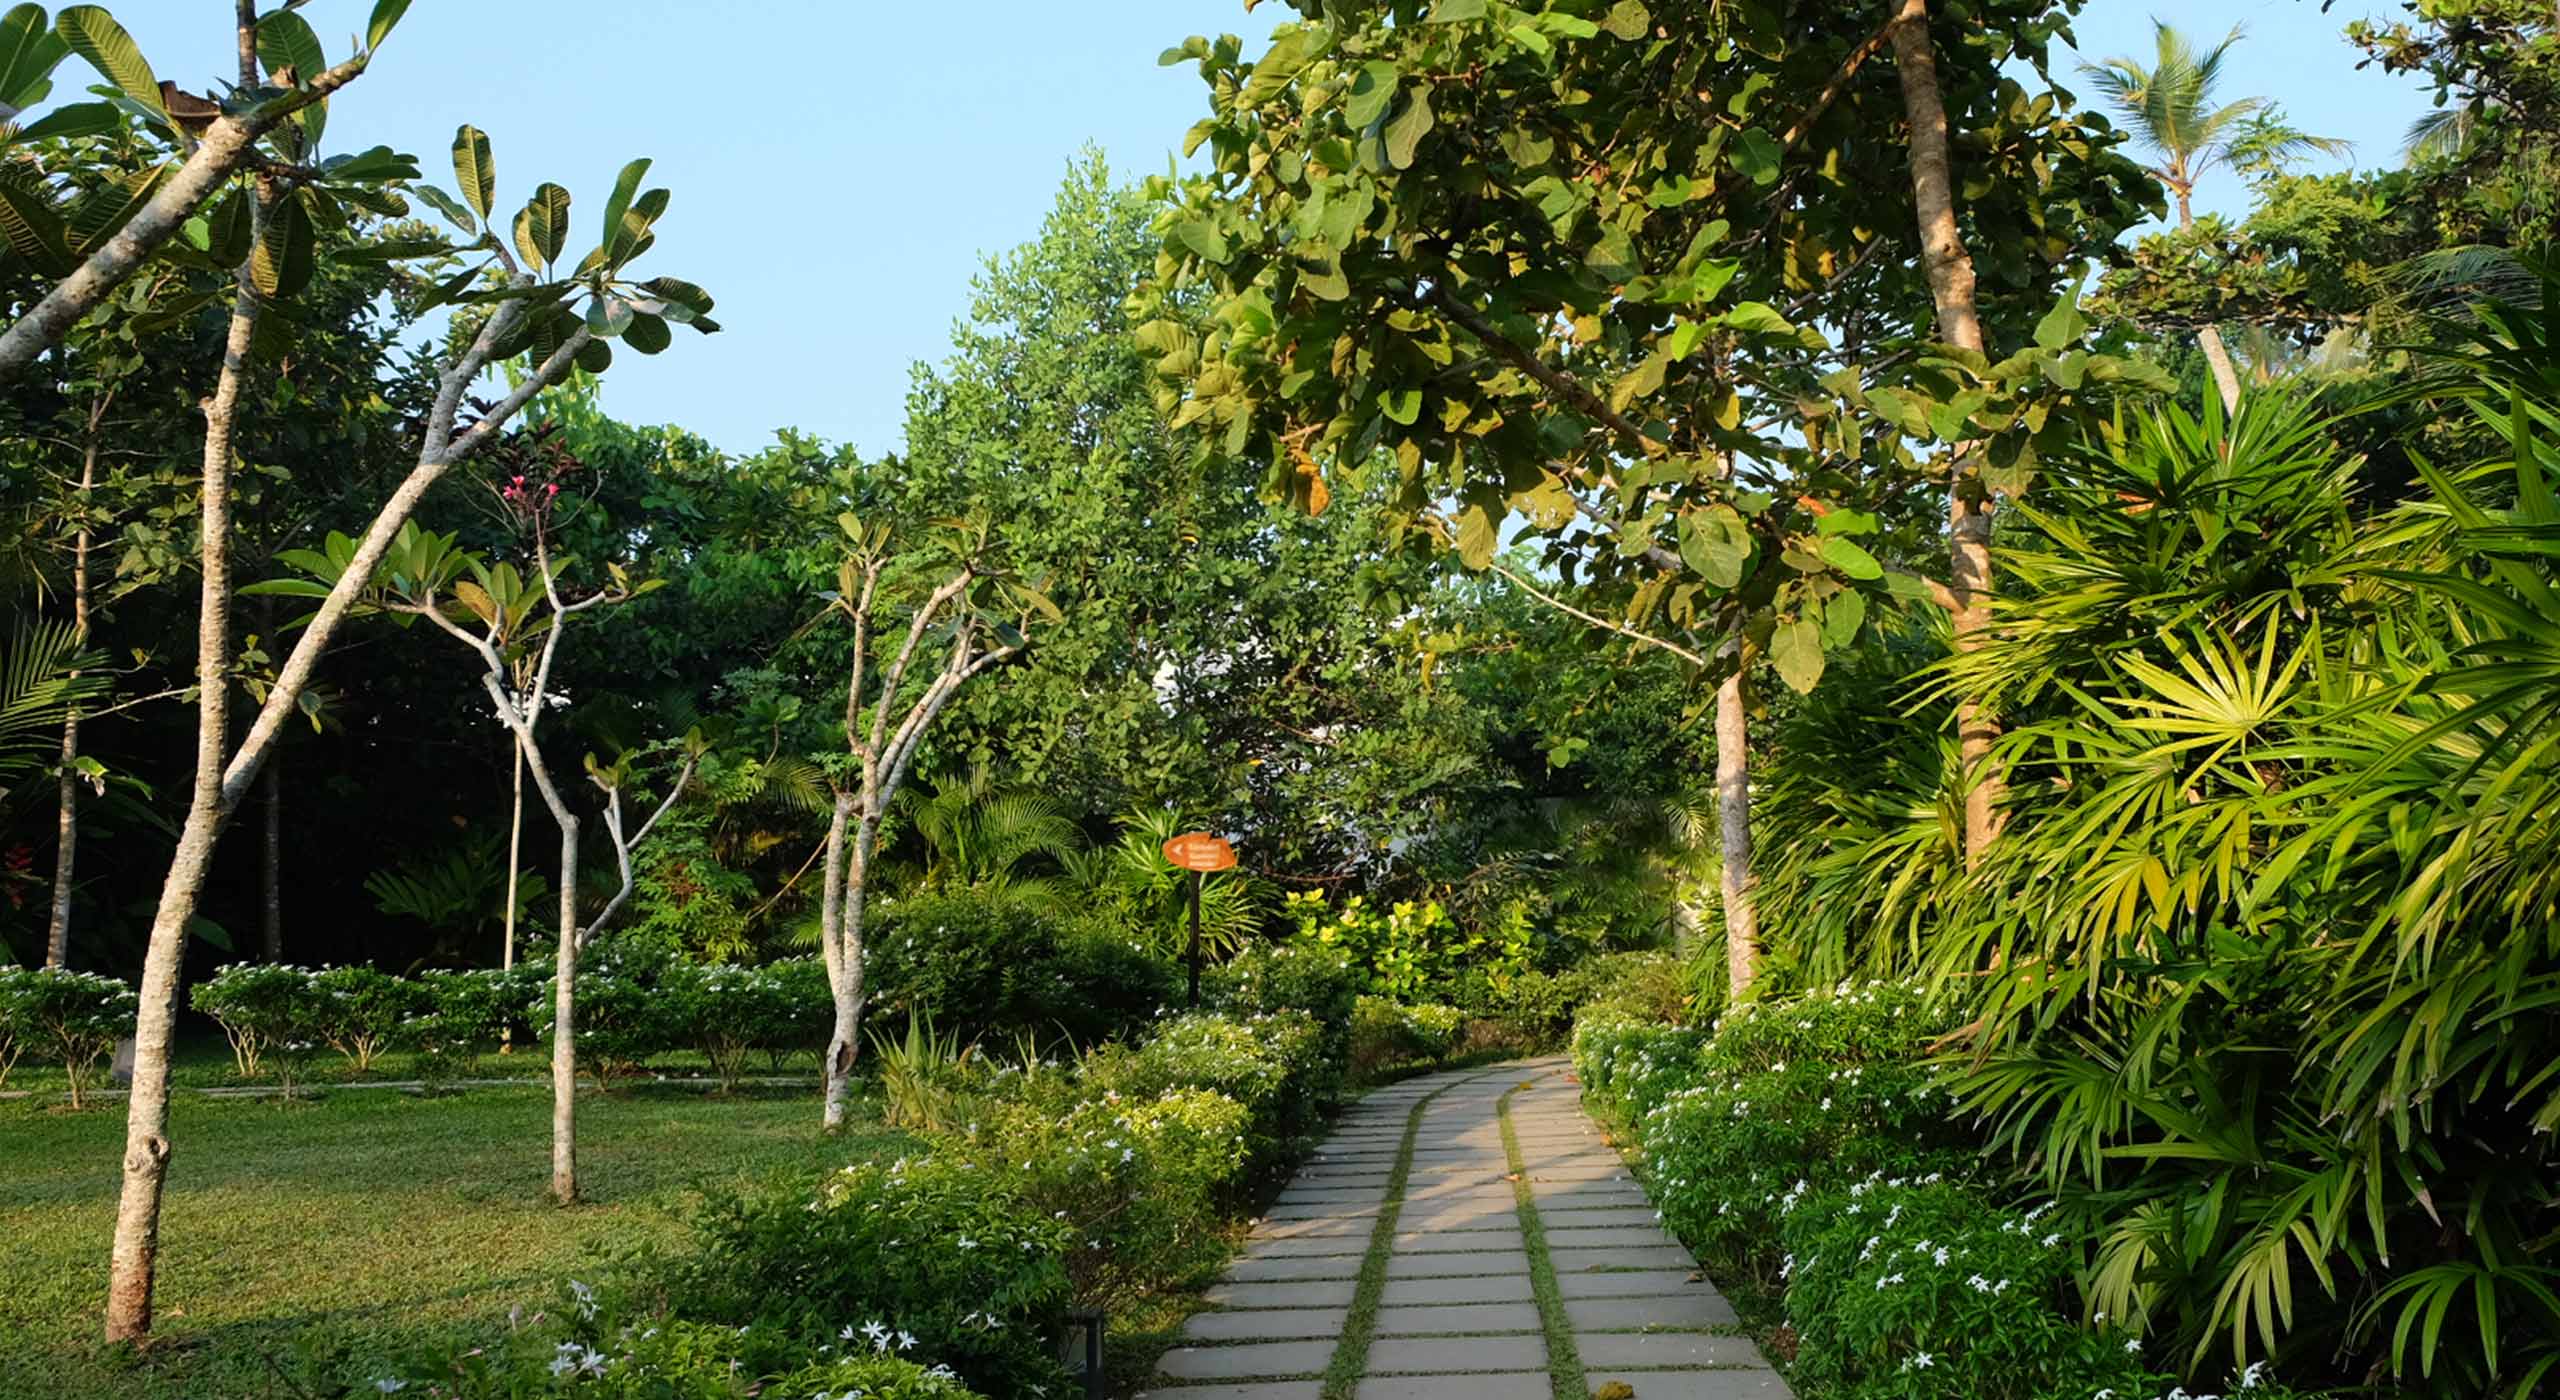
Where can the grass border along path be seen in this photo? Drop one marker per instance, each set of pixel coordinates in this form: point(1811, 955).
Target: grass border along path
point(1564, 1361)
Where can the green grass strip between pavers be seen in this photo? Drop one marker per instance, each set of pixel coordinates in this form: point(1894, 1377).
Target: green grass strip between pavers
point(1351, 1355)
point(1564, 1360)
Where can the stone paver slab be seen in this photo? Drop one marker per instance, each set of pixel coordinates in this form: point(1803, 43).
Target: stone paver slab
point(1252, 1390)
point(1250, 1359)
point(1265, 1324)
point(1456, 1318)
point(1460, 1241)
point(1493, 1288)
point(1510, 1261)
point(1517, 1385)
point(1442, 1355)
point(1647, 1283)
point(1694, 1385)
point(1295, 1269)
point(1564, 1234)
point(1574, 1261)
point(1634, 1350)
point(1330, 1294)
point(1700, 1307)
point(1308, 1248)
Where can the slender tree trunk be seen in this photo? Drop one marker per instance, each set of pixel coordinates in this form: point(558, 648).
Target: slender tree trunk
point(146, 1151)
point(57, 945)
point(271, 867)
point(564, 1022)
point(2209, 336)
point(1969, 505)
point(515, 869)
point(835, 1069)
point(1739, 886)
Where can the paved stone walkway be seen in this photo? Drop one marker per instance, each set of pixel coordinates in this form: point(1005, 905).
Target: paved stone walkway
point(1458, 1294)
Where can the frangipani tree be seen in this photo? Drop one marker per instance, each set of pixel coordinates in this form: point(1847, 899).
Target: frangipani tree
point(513, 622)
point(949, 594)
point(1650, 282)
point(526, 303)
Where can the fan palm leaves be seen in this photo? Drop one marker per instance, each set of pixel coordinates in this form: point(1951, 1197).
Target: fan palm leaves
point(1130, 881)
point(40, 680)
point(2264, 980)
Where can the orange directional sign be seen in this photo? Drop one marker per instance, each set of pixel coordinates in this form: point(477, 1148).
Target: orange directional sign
point(1199, 850)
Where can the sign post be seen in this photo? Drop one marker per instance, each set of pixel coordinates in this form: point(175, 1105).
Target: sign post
point(1198, 852)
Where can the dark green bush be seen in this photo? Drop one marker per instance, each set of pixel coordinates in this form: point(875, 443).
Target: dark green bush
point(1918, 1289)
point(1273, 1064)
point(588, 1348)
point(1268, 977)
point(981, 966)
point(942, 1247)
point(1139, 1181)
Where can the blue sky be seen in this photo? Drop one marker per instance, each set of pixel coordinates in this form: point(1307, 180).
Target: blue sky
point(841, 167)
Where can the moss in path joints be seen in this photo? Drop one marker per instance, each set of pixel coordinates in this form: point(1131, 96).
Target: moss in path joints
point(1564, 1361)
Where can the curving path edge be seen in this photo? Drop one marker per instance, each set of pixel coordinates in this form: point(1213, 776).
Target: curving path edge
point(1465, 1236)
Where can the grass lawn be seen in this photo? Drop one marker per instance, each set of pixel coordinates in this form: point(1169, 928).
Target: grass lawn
point(300, 1244)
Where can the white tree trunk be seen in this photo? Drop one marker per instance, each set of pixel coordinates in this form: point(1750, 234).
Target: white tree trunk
point(1738, 885)
point(146, 1151)
point(564, 1022)
point(2226, 381)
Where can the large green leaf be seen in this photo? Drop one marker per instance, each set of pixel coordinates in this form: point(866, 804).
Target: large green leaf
point(94, 34)
point(1716, 544)
point(29, 52)
point(1202, 236)
point(446, 205)
point(1404, 134)
point(1844, 554)
point(229, 225)
point(386, 16)
point(1372, 88)
point(95, 216)
point(473, 169)
point(1796, 650)
point(647, 334)
point(34, 229)
point(1477, 537)
point(285, 40)
point(74, 119)
point(618, 203)
point(1757, 155)
point(280, 265)
point(542, 227)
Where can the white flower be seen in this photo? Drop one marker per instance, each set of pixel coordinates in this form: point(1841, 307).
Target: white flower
point(2133, 1346)
point(1923, 1361)
point(390, 1385)
point(968, 1243)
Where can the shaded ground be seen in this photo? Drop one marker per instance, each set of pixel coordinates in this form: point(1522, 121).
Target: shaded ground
point(302, 1244)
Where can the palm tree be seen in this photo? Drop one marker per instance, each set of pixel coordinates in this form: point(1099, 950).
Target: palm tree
point(2170, 105)
point(979, 836)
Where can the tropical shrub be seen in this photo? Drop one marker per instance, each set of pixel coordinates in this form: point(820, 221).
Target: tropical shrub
point(1273, 1064)
point(942, 1248)
point(1912, 1288)
point(260, 1006)
point(1407, 951)
point(725, 1012)
point(1139, 1181)
point(977, 963)
point(1384, 1034)
point(13, 1042)
point(804, 1013)
point(1271, 977)
point(585, 1347)
point(358, 1011)
point(72, 1018)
